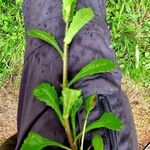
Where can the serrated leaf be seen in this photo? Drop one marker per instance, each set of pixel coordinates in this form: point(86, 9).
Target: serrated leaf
point(70, 97)
point(90, 103)
point(47, 94)
point(68, 9)
point(72, 12)
point(36, 142)
point(73, 113)
point(89, 106)
point(96, 66)
point(107, 120)
point(47, 37)
point(98, 143)
point(81, 18)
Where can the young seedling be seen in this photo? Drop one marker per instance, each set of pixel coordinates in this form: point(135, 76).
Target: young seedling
point(71, 99)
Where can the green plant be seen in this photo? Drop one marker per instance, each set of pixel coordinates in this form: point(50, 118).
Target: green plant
point(11, 39)
point(71, 99)
point(130, 22)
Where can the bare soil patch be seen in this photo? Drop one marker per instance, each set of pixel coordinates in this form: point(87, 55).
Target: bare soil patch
point(140, 103)
point(139, 99)
point(8, 111)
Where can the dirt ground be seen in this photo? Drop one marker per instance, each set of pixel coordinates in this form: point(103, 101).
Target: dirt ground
point(140, 103)
point(139, 100)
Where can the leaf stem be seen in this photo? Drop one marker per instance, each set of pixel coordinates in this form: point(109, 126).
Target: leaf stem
point(83, 132)
point(62, 146)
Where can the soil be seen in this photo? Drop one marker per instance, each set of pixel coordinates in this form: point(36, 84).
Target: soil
point(8, 111)
point(139, 99)
point(140, 103)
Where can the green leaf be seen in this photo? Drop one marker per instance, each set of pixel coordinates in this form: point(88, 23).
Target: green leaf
point(72, 12)
point(98, 143)
point(89, 106)
point(36, 142)
point(47, 94)
point(47, 37)
point(108, 120)
point(68, 9)
point(90, 103)
point(73, 113)
point(70, 97)
point(81, 18)
point(96, 66)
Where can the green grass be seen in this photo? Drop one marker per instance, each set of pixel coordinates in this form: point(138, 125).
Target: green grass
point(11, 39)
point(130, 31)
point(129, 21)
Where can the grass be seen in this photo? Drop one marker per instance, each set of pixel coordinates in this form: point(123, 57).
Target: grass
point(11, 39)
point(129, 21)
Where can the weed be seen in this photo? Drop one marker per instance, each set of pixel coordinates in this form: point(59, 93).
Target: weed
point(130, 23)
point(11, 39)
point(72, 99)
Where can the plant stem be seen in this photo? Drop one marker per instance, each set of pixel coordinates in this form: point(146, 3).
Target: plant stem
point(65, 60)
point(89, 148)
point(83, 133)
point(65, 77)
point(69, 134)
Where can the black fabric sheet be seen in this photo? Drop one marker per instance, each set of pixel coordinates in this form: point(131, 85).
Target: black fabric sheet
point(43, 64)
